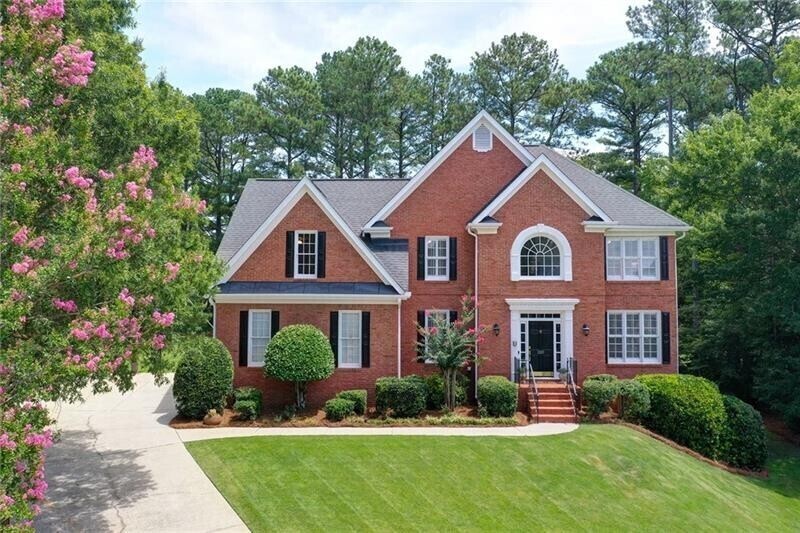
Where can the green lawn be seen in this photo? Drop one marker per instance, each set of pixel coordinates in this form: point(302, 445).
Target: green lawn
point(599, 477)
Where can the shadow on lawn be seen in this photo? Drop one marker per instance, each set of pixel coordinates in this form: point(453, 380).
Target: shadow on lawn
point(784, 468)
point(85, 486)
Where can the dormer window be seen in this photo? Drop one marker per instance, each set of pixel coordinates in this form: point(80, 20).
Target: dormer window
point(482, 139)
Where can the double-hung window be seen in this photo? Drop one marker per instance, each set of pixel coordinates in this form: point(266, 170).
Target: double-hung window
point(260, 329)
point(634, 337)
point(350, 339)
point(435, 318)
point(437, 258)
point(305, 254)
point(632, 259)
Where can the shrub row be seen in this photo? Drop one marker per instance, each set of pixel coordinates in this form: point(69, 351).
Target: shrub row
point(400, 397)
point(346, 403)
point(601, 390)
point(497, 396)
point(434, 395)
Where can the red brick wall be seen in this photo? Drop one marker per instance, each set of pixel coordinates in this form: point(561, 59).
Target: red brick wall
point(383, 351)
point(443, 205)
point(268, 262)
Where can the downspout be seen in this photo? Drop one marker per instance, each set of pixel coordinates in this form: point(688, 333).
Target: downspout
point(477, 309)
point(399, 338)
point(677, 317)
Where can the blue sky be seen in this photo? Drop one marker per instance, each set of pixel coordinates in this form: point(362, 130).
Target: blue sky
point(232, 44)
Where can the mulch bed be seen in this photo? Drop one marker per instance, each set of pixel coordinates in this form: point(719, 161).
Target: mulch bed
point(316, 418)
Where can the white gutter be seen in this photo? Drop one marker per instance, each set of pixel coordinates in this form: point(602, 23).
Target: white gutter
point(677, 317)
point(477, 311)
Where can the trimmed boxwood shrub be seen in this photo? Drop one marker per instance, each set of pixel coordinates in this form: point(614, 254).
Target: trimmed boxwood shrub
point(497, 396)
point(686, 409)
point(400, 397)
point(601, 377)
point(744, 441)
point(299, 353)
point(434, 397)
point(598, 393)
point(634, 400)
point(203, 378)
point(358, 397)
point(339, 408)
point(247, 402)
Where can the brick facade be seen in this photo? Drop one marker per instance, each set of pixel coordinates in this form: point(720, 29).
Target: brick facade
point(443, 205)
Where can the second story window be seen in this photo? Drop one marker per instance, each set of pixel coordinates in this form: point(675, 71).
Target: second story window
point(540, 258)
point(436, 258)
point(305, 254)
point(632, 259)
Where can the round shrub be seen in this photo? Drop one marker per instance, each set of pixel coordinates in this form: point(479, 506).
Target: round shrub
point(434, 397)
point(337, 409)
point(601, 377)
point(203, 378)
point(358, 397)
point(744, 441)
point(686, 409)
point(299, 353)
point(497, 395)
point(634, 400)
point(400, 397)
point(247, 409)
point(598, 395)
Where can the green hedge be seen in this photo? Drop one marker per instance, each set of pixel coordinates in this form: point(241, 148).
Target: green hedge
point(598, 394)
point(434, 397)
point(358, 397)
point(634, 400)
point(203, 378)
point(686, 409)
point(400, 397)
point(247, 402)
point(744, 441)
point(600, 377)
point(339, 408)
point(497, 396)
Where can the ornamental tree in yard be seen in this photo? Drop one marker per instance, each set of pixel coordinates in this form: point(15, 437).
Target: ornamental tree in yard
point(98, 266)
point(299, 353)
point(451, 346)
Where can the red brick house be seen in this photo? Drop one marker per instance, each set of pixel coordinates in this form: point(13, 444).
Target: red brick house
point(568, 269)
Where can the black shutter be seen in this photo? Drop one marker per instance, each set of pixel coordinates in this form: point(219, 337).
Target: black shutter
point(421, 323)
point(289, 254)
point(663, 244)
point(605, 336)
point(365, 339)
point(453, 259)
point(321, 254)
point(420, 257)
point(453, 316)
point(244, 317)
point(665, 340)
point(334, 337)
point(275, 323)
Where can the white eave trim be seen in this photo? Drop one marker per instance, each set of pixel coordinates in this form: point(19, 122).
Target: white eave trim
point(632, 230)
point(481, 118)
point(319, 299)
point(542, 163)
point(541, 305)
point(484, 228)
point(303, 187)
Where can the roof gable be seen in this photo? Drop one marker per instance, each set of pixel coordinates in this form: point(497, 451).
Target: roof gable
point(301, 189)
point(481, 119)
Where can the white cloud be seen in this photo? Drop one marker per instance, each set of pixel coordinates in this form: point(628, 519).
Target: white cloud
point(233, 44)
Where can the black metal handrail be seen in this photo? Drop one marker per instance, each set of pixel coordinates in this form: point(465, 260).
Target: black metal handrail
point(572, 369)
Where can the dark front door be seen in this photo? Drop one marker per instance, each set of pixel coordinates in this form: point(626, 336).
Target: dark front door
point(541, 346)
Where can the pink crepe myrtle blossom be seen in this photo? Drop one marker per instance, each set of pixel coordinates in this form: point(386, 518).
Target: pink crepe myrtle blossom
point(20, 238)
point(91, 205)
point(38, 242)
point(68, 306)
point(38, 13)
point(126, 297)
point(15, 297)
point(163, 319)
point(40, 440)
point(7, 442)
point(150, 232)
point(59, 100)
point(24, 102)
point(105, 176)
point(147, 194)
point(73, 175)
point(158, 342)
point(22, 186)
point(16, 168)
point(102, 332)
point(116, 250)
point(172, 271)
point(132, 189)
point(26, 266)
point(144, 158)
point(117, 214)
point(71, 65)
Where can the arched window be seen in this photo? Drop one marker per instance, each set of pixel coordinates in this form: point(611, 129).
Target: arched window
point(541, 253)
point(539, 258)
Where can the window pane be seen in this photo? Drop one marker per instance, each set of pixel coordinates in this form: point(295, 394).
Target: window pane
point(615, 324)
point(632, 267)
point(650, 324)
point(632, 347)
point(257, 349)
point(436, 257)
point(614, 248)
point(306, 259)
point(632, 324)
point(259, 324)
point(349, 338)
point(649, 248)
point(614, 267)
point(540, 257)
point(632, 249)
point(649, 268)
point(651, 347)
point(615, 348)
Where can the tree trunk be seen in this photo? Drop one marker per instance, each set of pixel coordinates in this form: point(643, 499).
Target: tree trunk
point(300, 394)
point(670, 127)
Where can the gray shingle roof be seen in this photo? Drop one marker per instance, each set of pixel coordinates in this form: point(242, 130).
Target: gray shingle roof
point(356, 201)
point(622, 206)
point(393, 255)
point(304, 287)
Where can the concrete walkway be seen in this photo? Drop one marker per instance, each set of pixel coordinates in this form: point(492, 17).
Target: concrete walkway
point(119, 467)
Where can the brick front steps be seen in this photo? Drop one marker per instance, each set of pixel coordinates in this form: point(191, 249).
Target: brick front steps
point(554, 402)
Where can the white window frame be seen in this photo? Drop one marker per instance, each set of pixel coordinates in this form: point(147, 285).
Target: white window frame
point(434, 277)
point(342, 338)
point(431, 313)
point(251, 313)
point(564, 251)
point(297, 273)
point(640, 360)
point(640, 257)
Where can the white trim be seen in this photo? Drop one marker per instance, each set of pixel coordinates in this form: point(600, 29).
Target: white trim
point(491, 139)
point(339, 341)
point(632, 231)
point(446, 276)
point(481, 118)
point(319, 299)
point(297, 274)
point(542, 305)
point(658, 360)
point(564, 249)
point(399, 339)
point(250, 314)
point(213, 319)
point(484, 228)
point(303, 187)
point(382, 232)
point(542, 163)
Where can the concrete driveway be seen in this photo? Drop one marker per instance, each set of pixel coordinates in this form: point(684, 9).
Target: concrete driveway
point(118, 467)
